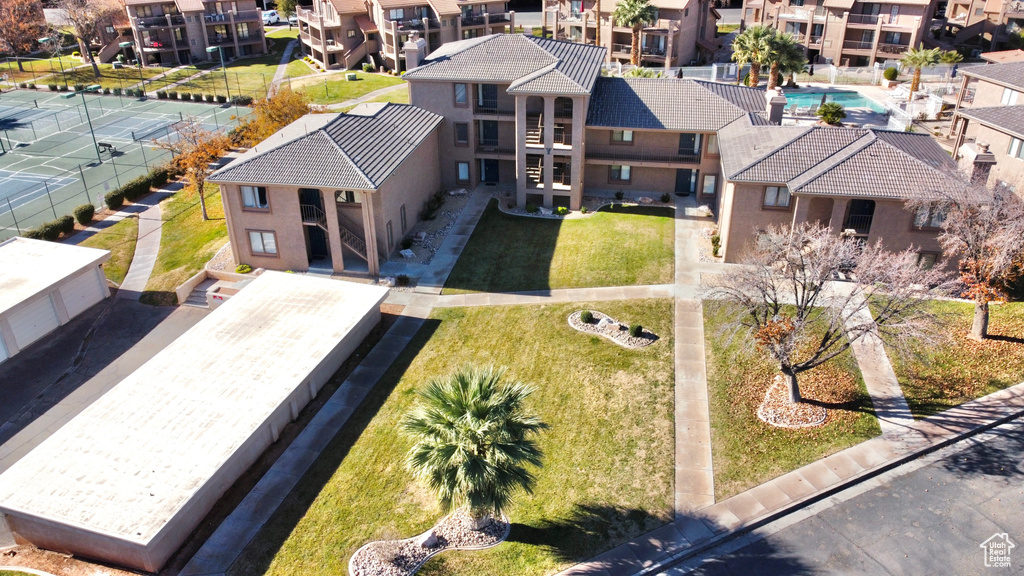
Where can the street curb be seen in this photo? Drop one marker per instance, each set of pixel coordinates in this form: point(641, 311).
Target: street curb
point(774, 515)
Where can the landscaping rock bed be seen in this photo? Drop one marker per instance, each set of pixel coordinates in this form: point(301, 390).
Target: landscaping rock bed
point(434, 231)
point(405, 557)
point(777, 410)
point(612, 329)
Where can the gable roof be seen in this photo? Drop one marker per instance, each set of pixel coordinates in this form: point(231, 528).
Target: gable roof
point(832, 161)
point(750, 138)
point(529, 64)
point(1010, 74)
point(669, 104)
point(1009, 119)
point(352, 150)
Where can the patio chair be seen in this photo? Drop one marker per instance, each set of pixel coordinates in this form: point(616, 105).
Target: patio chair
point(792, 110)
point(813, 110)
point(802, 111)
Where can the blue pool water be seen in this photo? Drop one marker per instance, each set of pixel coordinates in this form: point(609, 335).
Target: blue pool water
point(847, 99)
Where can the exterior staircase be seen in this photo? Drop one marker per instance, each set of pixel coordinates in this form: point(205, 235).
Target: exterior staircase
point(354, 55)
point(534, 130)
point(314, 216)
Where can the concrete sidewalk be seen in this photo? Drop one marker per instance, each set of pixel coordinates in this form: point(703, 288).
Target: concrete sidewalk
point(556, 296)
point(146, 249)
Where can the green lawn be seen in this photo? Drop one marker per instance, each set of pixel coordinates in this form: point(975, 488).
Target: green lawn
point(36, 70)
point(283, 32)
point(186, 243)
point(747, 452)
point(120, 239)
point(724, 29)
point(10, 573)
point(608, 465)
point(109, 77)
point(247, 76)
point(329, 89)
point(396, 96)
point(960, 369)
point(630, 246)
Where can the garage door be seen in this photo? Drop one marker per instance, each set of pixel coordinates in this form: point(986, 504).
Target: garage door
point(81, 293)
point(34, 321)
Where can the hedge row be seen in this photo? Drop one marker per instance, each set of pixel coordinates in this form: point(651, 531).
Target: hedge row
point(53, 229)
point(137, 187)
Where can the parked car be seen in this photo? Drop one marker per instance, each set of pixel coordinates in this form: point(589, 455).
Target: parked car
point(293, 19)
point(270, 17)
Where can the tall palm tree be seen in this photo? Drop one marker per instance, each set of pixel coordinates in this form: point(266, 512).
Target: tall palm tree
point(753, 46)
point(918, 58)
point(597, 14)
point(473, 440)
point(786, 55)
point(634, 14)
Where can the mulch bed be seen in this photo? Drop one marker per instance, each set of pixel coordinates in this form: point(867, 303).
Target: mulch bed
point(777, 410)
point(612, 329)
point(405, 557)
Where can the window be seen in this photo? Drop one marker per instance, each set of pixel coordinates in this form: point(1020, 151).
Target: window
point(255, 197)
point(263, 242)
point(1009, 97)
point(391, 236)
point(1017, 148)
point(241, 29)
point(396, 14)
point(894, 13)
point(144, 11)
point(713, 144)
point(710, 184)
point(776, 197)
point(348, 197)
point(351, 33)
point(926, 260)
point(110, 29)
point(929, 216)
point(461, 95)
point(796, 2)
point(686, 12)
point(893, 38)
point(622, 136)
point(979, 11)
point(463, 171)
point(461, 134)
point(619, 174)
point(401, 212)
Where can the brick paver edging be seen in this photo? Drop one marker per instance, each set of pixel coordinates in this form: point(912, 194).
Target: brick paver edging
point(687, 537)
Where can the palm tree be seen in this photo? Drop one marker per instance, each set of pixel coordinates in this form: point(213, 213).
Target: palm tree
point(597, 14)
point(950, 57)
point(634, 14)
point(473, 440)
point(786, 56)
point(753, 46)
point(918, 58)
point(832, 113)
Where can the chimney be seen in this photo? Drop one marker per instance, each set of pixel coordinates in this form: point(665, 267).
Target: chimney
point(976, 161)
point(775, 105)
point(415, 49)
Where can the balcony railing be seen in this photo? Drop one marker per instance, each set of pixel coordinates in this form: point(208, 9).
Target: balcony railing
point(252, 36)
point(500, 17)
point(859, 222)
point(157, 46)
point(622, 48)
point(492, 147)
point(803, 13)
point(218, 18)
point(640, 155)
point(814, 41)
point(893, 48)
point(248, 15)
point(416, 24)
point(219, 39)
point(871, 19)
point(857, 45)
point(159, 21)
point(473, 20)
point(494, 106)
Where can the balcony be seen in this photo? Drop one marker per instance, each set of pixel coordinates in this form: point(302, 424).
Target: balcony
point(803, 13)
point(217, 18)
point(893, 48)
point(491, 148)
point(857, 45)
point(248, 16)
point(861, 223)
point(160, 21)
point(863, 19)
point(635, 155)
point(814, 42)
point(221, 39)
point(159, 46)
point(472, 20)
point(622, 49)
point(494, 106)
point(415, 24)
point(253, 36)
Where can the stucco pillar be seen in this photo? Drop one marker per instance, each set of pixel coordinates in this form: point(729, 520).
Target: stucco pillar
point(800, 206)
point(549, 143)
point(333, 233)
point(234, 34)
point(521, 150)
point(174, 39)
point(577, 163)
point(838, 215)
point(370, 234)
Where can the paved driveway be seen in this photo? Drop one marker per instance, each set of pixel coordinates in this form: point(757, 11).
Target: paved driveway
point(930, 521)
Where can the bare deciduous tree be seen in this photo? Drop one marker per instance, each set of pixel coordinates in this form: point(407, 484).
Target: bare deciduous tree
point(84, 17)
point(788, 296)
point(195, 149)
point(983, 227)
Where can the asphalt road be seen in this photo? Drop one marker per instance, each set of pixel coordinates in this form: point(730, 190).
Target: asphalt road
point(931, 520)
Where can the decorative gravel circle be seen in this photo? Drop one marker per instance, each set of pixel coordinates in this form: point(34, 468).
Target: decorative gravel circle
point(405, 557)
point(778, 411)
point(612, 329)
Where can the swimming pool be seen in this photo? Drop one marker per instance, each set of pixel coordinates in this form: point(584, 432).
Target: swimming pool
point(847, 99)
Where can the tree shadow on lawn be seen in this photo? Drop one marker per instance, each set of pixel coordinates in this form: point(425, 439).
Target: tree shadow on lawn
point(257, 556)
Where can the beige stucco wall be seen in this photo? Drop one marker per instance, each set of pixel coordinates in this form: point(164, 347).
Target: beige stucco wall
point(283, 218)
point(745, 215)
point(411, 185)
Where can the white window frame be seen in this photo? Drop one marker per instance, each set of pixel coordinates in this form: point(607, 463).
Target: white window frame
point(459, 171)
point(625, 173)
point(258, 244)
point(396, 14)
point(1016, 149)
point(251, 197)
point(622, 136)
point(713, 144)
point(711, 179)
point(928, 217)
point(1009, 97)
point(777, 197)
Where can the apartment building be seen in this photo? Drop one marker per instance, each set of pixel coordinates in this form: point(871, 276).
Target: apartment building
point(346, 33)
point(988, 122)
point(682, 34)
point(847, 32)
point(985, 24)
point(176, 32)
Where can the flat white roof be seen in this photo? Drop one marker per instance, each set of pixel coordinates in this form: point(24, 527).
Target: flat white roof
point(27, 267)
point(131, 460)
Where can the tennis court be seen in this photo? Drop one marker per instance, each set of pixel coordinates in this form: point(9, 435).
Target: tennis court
point(49, 163)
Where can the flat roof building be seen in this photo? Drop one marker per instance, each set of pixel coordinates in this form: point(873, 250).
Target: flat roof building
point(44, 285)
point(128, 479)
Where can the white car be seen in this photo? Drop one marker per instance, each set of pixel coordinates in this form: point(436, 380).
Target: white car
point(270, 17)
point(293, 19)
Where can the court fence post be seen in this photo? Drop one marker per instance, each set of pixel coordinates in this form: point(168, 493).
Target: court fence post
point(48, 197)
point(143, 150)
point(117, 177)
point(13, 217)
point(82, 175)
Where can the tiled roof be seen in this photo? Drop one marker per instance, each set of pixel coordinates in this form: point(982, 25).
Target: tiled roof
point(528, 63)
point(745, 97)
point(1016, 55)
point(347, 150)
point(1008, 119)
point(349, 6)
point(837, 161)
point(1010, 74)
point(666, 104)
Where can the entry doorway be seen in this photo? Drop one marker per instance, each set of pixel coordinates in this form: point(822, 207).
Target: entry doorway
point(686, 181)
point(489, 171)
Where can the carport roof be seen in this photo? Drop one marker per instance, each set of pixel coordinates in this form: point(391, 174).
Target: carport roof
point(28, 267)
